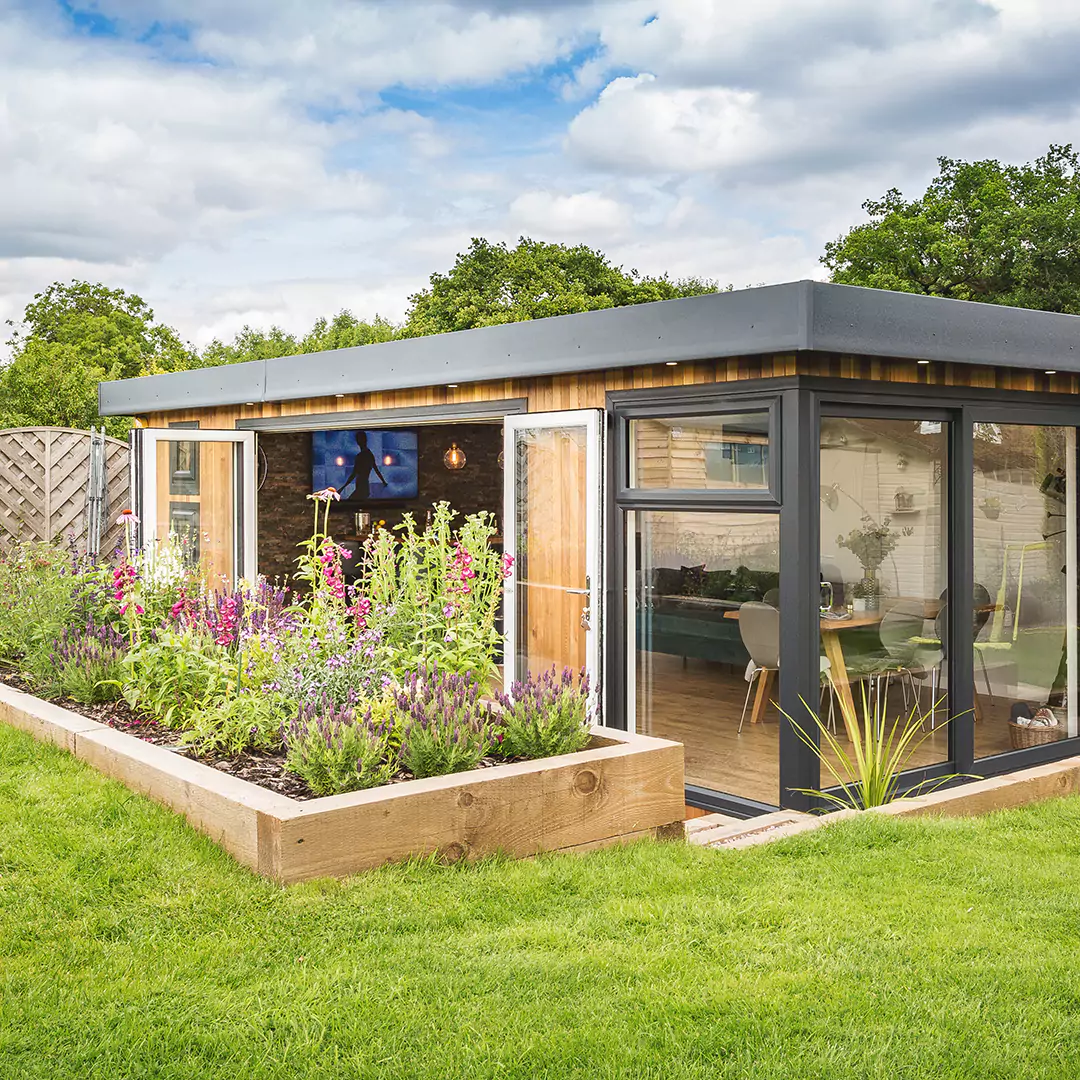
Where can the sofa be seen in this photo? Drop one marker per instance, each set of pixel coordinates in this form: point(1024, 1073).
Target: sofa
point(682, 611)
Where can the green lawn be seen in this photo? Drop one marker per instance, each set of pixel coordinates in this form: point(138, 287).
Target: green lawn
point(131, 947)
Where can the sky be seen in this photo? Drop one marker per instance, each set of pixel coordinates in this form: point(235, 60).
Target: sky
point(269, 161)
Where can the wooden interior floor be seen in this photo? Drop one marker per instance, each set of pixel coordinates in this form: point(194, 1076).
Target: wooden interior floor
point(698, 703)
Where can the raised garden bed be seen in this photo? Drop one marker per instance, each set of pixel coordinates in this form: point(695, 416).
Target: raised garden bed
point(622, 787)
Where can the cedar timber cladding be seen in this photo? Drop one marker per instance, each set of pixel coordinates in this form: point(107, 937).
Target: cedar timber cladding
point(587, 390)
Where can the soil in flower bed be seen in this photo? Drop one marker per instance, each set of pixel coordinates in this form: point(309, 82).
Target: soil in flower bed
point(267, 770)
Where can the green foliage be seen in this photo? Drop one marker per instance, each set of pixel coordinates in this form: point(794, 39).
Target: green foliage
point(334, 750)
point(1001, 234)
point(72, 337)
point(545, 715)
point(431, 595)
point(868, 775)
point(343, 331)
point(173, 675)
point(86, 664)
point(39, 591)
point(493, 283)
point(248, 720)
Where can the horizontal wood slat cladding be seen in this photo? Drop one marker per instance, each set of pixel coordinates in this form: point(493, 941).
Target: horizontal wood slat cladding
point(554, 393)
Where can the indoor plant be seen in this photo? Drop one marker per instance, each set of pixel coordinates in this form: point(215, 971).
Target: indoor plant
point(871, 544)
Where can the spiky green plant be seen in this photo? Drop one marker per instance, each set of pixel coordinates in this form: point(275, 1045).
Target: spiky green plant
point(869, 773)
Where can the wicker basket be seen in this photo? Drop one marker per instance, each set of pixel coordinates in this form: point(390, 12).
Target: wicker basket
point(1024, 735)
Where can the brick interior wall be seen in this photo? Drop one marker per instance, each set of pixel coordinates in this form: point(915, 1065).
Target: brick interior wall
point(285, 512)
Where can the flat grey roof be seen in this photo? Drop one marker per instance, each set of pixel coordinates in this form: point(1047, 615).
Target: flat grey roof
point(801, 315)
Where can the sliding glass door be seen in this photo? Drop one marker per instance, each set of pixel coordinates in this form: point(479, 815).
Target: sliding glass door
point(885, 542)
point(1024, 585)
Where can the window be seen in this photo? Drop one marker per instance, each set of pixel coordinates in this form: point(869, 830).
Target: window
point(706, 601)
point(719, 452)
point(1025, 585)
point(884, 573)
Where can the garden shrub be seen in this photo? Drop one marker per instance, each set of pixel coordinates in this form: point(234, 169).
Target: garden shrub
point(335, 751)
point(87, 664)
point(248, 720)
point(175, 673)
point(39, 592)
point(445, 726)
point(545, 715)
point(433, 594)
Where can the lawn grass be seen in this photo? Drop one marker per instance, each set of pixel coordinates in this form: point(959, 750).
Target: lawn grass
point(132, 947)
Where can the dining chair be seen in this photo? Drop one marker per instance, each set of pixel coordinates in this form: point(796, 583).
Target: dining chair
point(759, 628)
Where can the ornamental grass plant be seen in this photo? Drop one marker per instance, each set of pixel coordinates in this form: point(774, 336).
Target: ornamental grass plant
point(865, 770)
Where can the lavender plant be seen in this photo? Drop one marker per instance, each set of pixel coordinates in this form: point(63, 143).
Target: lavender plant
point(545, 715)
point(446, 727)
point(334, 750)
point(86, 664)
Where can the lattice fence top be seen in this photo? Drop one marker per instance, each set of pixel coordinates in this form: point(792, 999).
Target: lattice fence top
point(43, 478)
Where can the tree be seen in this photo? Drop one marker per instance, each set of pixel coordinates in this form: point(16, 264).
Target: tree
point(1001, 234)
point(345, 331)
point(72, 337)
point(341, 332)
point(492, 283)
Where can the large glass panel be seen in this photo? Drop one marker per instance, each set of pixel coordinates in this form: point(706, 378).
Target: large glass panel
point(1024, 622)
point(884, 570)
point(706, 643)
point(197, 505)
point(701, 453)
point(552, 580)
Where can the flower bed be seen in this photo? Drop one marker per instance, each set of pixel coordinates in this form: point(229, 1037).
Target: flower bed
point(622, 787)
point(328, 690)
point(350, 686)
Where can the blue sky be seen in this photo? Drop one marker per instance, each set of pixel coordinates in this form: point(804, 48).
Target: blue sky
point(269, 161)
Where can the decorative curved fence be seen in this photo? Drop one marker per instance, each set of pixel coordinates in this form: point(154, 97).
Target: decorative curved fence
point(44, 477)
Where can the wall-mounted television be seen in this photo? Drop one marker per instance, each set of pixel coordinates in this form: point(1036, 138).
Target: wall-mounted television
point(366, 465)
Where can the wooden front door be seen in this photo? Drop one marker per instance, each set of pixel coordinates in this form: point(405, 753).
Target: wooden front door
point(552, 523)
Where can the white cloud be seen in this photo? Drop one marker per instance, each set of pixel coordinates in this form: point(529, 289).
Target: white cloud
point(582, 216)
point(641, 125)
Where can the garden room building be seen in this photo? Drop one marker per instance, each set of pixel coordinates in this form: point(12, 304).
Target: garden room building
point(726, 507)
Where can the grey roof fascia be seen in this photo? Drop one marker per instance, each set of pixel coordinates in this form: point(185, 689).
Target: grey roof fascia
point(227, 384)
point(751, 321)
point(876, 322)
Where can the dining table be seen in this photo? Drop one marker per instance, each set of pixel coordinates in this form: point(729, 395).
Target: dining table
point(832, 630)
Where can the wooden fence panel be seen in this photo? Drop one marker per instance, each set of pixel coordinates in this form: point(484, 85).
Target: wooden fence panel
point(43, 478)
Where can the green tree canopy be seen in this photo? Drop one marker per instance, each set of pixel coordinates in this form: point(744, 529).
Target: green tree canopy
point(493, 283)
point(1001, 234)
point(341, 332)
point(72, 337)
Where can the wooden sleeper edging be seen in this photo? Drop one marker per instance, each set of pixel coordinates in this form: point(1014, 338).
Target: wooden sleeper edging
point(622, 787)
